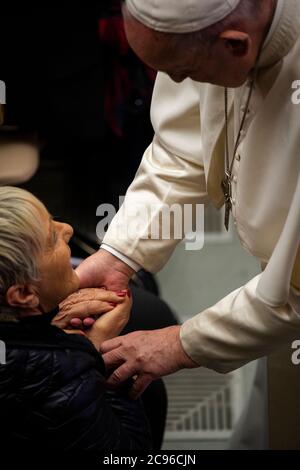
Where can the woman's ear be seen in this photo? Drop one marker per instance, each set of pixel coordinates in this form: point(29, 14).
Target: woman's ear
point(237, 42)
point(23, 296)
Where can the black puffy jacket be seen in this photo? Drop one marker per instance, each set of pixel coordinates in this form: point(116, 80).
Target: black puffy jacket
point(53, 396)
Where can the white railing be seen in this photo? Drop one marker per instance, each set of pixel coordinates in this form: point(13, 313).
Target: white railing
point(201, 405)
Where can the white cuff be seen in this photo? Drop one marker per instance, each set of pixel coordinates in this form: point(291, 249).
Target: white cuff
point(135, 266)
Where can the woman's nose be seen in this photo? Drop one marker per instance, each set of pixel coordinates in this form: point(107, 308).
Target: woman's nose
point(67, 232)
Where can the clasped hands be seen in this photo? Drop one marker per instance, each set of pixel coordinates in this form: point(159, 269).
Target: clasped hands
point(144, 355)
point(96, 313)
point(99, 313)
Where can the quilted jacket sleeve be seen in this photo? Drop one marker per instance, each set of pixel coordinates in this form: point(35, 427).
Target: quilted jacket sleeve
point(67, 407)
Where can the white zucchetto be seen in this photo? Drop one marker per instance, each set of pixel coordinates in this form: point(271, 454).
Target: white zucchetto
point(180, 16)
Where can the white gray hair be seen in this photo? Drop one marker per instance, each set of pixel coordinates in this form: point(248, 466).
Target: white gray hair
point(22, 238)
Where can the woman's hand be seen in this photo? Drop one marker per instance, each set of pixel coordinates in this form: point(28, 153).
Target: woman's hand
point(110, 324)
point(75, 332)
point(86, 303)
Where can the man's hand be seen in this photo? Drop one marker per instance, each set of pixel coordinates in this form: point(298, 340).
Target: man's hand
point(104, 269)
point(145, 354)
point(79, 308)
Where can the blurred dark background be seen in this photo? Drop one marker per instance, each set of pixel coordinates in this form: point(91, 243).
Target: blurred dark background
point(75, 87)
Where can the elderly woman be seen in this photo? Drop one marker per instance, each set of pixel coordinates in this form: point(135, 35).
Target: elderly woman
point(52, 386)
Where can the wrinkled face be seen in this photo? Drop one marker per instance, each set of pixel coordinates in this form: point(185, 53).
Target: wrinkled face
point(57, 277)
point(221, 64)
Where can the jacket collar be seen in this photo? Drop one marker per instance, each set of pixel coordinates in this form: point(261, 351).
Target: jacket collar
point(37, 331)
point(40, 320)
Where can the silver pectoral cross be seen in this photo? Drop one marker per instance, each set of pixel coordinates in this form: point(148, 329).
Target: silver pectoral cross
point(227, 190)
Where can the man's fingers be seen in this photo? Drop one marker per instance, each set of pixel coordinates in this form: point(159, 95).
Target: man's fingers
point(112, 359)
point(111, 344)
point(139, 386)
point(120, 375)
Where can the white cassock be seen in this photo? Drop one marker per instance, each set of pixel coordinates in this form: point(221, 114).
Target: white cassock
point(185, 165)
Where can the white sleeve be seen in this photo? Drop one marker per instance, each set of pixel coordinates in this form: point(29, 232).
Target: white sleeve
point(171, 173)
point(240, 328)
point(256, 319)
point(136, 267)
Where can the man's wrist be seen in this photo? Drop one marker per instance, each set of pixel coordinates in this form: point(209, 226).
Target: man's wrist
point(135, 266)
point(185, 360)
point(117, 264)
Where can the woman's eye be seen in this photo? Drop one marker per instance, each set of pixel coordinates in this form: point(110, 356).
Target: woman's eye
point(54, 235)
point(57, 218)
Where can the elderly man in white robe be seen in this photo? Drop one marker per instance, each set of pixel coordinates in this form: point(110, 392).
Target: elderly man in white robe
point(226, 128)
